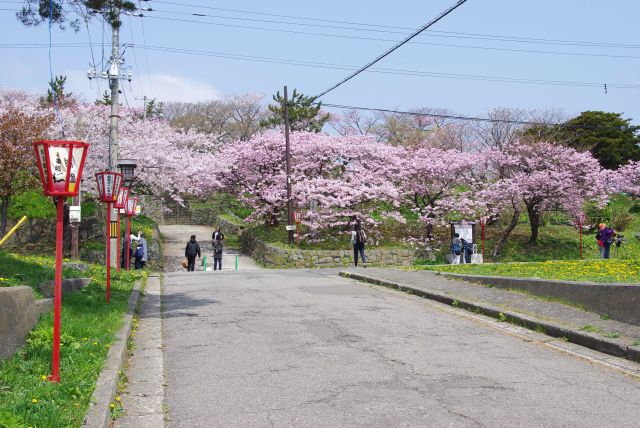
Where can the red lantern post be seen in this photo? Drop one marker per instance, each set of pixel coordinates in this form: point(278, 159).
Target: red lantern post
point(60, 164)
point(297, 218)
point(120, 205)
point(483, 223)
point(130, 211)
point(108, 187)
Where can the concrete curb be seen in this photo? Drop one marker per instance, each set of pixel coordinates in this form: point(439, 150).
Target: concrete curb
point(601, 344)
point(99, 413)
point(619, 300)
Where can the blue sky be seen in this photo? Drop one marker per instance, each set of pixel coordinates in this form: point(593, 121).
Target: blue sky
point(595, 42)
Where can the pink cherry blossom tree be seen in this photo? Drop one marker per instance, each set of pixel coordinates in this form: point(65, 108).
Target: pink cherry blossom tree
point(342, 177)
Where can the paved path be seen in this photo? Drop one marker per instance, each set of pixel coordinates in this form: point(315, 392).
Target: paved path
point(144, 396)
point(308, 348)
point(175, 240)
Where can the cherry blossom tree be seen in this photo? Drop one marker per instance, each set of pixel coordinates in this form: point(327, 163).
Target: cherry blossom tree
point(342, 177)
point(541, 177)
point(627, 178)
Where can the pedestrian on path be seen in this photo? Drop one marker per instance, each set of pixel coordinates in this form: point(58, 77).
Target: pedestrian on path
point(358, 239)
point(142, 252)
point(218, 246)
point(217, 233)
point(190, 252)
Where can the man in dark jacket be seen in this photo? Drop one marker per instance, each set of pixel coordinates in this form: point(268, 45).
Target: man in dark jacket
point(192, 250)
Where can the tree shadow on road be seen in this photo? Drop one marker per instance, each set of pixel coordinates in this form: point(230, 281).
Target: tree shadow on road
point(183, 305)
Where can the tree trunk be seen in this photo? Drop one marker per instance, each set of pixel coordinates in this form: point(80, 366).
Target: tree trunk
point(505, 234)
point(534, 221)
point(4, 206)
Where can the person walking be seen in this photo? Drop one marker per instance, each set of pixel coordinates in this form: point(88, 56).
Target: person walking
point(456, 249)
point(218, 246)
point(606, 235)
point(358, 239)
point(142, 252)
point(217, 233)
point(191, 251)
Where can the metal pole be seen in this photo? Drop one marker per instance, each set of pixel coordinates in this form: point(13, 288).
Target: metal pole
point(236, 262)
point(288, 155)
point(108, 253)
point(580, 226)
point(483, 225)
point(57, 295)
point(128, 250)
point(118, 244)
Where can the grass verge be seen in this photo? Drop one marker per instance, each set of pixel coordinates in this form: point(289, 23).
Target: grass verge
point(89, 327)
point(626, 271)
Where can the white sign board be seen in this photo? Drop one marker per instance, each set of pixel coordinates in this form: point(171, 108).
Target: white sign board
point(465, 231)
point(291, 227)
point(74, 214)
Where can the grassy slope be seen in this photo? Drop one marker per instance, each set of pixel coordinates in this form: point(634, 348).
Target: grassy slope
point(88, 330)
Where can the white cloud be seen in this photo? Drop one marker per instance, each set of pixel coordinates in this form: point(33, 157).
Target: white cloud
point(163, 87)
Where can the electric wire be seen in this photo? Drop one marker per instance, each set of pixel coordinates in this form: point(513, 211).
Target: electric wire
point(334, 66)
point(494, 48)
point(54, 92)
point(432, 32)
point(146, 56)
point(135, 56)
point(393, 49)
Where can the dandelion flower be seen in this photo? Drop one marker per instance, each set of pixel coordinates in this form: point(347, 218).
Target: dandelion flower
point(34, 400)
point(113, 406)
point(117, 398)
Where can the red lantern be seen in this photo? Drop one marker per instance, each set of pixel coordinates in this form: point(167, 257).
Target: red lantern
point(60, 164)
point(130, 211)
point(297, 216)
point(109, 183)
point(108, 188)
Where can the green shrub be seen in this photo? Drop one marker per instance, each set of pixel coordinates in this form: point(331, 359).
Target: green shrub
point(33, 204)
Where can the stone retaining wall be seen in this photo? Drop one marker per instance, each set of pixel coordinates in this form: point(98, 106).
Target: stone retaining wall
point(618, 301)
point(19, 313)
point(276, 257)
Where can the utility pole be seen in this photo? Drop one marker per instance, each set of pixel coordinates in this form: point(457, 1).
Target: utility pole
point(144, 111)
point(288, 156)
point(113, 76)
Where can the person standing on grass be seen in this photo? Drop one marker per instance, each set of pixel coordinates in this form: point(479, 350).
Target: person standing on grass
point(190, 252)
point(142, 252)
point(606, 236)
point(358, 239)
point(218, 246)
point(456, 249)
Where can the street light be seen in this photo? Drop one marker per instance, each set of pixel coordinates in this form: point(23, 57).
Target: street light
point(130, 211)
point(120, 205)
point(127, 168)
point(60, 164)
point(109, 183)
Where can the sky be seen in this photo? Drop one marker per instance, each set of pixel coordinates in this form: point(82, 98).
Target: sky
point(543, 54)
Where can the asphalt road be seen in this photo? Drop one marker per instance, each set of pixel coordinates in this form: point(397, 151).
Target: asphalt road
point(308, 348)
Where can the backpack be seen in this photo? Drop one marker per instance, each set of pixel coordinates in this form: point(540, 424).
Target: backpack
point(361, 237)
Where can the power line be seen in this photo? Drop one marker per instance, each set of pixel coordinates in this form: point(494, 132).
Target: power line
point(471, 118)
point(333, 66)
point(394, 48)
point(146, 56)
point(431, 33)
point(494, 48)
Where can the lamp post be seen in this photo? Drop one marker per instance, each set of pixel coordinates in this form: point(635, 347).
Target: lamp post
point(130, 211)
point(127, 169)
point(60, 164)
point(120, 205)
point(108, 187)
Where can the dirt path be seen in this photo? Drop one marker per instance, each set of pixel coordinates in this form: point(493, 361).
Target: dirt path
point(175, 240)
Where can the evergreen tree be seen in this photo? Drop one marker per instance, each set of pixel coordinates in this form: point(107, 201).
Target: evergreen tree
point(304, 113)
